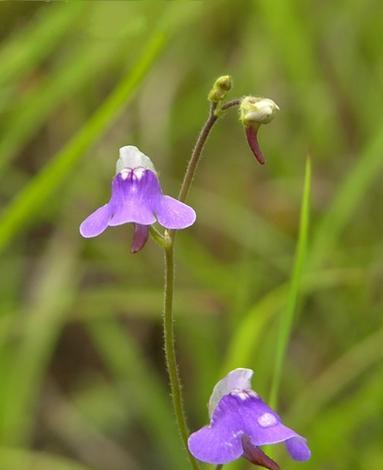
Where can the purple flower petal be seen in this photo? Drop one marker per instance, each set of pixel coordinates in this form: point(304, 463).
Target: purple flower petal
point(140, 237)
point(220, 442)
point(132, 198)
point(260, 423)
point(96, 222)
point(174, 214)
point(298, 449)
point(236, 379)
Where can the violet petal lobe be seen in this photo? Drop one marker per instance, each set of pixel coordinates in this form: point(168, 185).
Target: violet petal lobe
point(140, 237)
point(261, 424)
point(96, 222)
point(298, 449)
point(132, 197)
point(220, 442)
point(174, 214)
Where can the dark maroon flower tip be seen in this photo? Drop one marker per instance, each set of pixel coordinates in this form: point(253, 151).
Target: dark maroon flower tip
point(252, 139)
point(256, 456)
point(140, 237)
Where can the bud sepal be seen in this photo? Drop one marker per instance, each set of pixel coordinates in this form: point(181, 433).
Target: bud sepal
point(220, 89)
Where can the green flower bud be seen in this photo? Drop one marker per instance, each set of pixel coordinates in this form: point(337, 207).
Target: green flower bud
point(255, 111)
point(220, 88)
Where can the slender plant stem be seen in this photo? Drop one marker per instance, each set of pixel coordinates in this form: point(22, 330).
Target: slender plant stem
point(231, 104)
point(191, 169)
point(168, 320)
point(196, 154)
point(170, 352)
point(219, 466)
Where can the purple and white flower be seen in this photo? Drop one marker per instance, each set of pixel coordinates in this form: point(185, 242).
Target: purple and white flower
point(240, 423)
point(137, 198)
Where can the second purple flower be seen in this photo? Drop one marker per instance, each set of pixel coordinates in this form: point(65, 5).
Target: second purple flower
point(241, 422)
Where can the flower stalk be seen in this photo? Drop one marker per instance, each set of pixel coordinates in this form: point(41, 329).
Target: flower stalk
point(170, 353)
point(196, 153)
point(168, 318)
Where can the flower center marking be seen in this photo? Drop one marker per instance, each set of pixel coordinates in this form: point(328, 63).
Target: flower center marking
point(139, 172)
point(266, 420)
point(244, 395)
point(124, 173)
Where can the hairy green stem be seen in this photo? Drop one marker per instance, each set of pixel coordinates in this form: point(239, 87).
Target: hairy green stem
point(196, 154)
point(170, 352)
point(214, 115)
point(168, 320)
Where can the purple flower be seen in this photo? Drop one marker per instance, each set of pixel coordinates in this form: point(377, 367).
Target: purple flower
point(240, 423)
point(137, 198)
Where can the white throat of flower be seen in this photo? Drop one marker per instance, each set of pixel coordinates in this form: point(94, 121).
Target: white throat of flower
point(130, 158)
point(238, 379)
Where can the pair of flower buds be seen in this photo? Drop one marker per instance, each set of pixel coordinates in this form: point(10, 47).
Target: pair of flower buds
point(137, 197)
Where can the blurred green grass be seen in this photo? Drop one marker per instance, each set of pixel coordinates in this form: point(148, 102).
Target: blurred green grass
point(83, 382)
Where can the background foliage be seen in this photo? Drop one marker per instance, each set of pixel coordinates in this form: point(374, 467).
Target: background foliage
point(83, 384)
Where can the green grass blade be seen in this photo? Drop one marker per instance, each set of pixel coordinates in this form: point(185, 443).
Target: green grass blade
point(349, 195)
point(108, 301)
point(289, 30)
point(337, 377)
point(216, 207)
point(22, 459)
point(93, 445)
point(121, 355)
point(40, 325)
point(246, 338)
point(248, 333)
point(286, 321)
point(44, 185)
point(35, 108)
point(347, 418)
point(31, 45)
